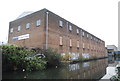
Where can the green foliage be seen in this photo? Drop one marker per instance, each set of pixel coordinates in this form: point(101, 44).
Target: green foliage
point(93, 57)
point(13, 57)
point(66, 57)
point(35, 64)
point(52, 57)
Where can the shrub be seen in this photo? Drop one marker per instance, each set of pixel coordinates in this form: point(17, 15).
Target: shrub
point(13, 58)
point(66, 57)
point(35, 64)
point(52, 57)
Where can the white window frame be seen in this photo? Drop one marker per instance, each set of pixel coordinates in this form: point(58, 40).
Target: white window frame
point(11, 30)
point(60, 23)
point(83, 33)
point(19, 28)
point(91, 37)
point(87, 35)
point(77, 31)
point(27, 25)
point(70, 27)
point(38, 22)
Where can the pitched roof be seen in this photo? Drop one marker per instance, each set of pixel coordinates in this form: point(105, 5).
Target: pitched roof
point(24, 14)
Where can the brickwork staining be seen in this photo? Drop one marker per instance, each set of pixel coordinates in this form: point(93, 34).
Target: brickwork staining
point(44, 29)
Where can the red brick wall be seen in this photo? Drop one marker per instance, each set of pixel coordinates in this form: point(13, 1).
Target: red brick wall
point(38, 35)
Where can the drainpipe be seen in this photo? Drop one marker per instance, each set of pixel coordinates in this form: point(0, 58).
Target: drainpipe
point(81, 42)
point(46, 30)
point(67, 37)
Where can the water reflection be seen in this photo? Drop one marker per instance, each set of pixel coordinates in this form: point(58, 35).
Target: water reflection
point(73, 67)
point(86, 64)
point(111, 59)
point(89, 70)
point(85, 70)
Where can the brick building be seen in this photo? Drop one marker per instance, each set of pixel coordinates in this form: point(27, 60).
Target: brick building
point(44, 29)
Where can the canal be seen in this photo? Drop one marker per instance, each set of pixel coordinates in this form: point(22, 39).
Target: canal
point(86, 70)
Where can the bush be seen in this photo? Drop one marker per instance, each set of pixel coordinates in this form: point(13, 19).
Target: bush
point(52, 57)
point(35, 64)
point(66, 57)
point(13, 58)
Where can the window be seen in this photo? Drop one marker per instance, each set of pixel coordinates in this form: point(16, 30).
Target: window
point(83, 33)
point(78, 44)
point(27, 25)
point(91, 37)
point(77, 31)
point(83, 45)
point(87, 35)
point(70, 43)
point(61, 42)
point(61, 23)
point(11, 30)
point(101, 42)
point(97, 40)
point(38, 22)
point(70, 27)
point(88, 46)
point(94, 47)
point(19, 28)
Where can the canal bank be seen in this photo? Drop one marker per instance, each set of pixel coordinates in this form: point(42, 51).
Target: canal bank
point(94, 69)
point(86, 60)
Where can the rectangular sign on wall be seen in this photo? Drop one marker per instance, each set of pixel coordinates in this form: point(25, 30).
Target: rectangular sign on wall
point(26, 36)
point(23, 37)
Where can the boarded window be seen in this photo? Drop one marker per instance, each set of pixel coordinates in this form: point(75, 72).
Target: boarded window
point(78, 44)
point(61, 41)
point(83, 45)
point(70, 42)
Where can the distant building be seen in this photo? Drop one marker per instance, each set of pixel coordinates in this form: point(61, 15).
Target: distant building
point(0, 43)
point(44, 29)
point(3, 43)
point(111, 49)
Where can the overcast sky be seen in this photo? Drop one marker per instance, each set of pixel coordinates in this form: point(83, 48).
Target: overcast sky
point(99, 17)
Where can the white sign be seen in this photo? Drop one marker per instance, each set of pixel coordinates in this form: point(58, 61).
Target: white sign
point(21, 37)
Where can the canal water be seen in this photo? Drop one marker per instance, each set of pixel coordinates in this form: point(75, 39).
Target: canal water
point(86, 70)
